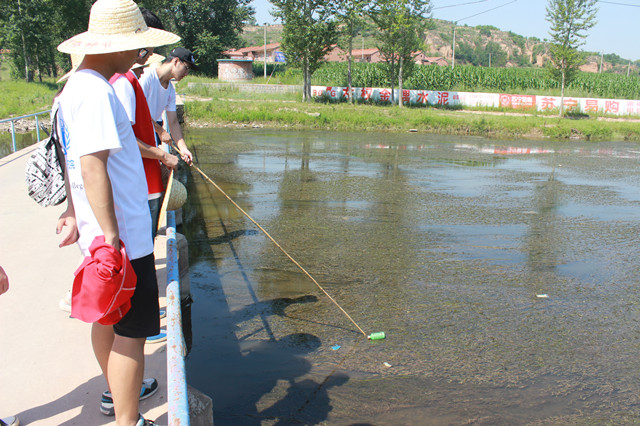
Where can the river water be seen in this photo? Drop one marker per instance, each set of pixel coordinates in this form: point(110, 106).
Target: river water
point(504, 274)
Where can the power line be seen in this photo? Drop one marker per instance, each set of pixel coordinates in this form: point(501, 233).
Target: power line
point(619, 4)
point(489, 10)
point(460, 4)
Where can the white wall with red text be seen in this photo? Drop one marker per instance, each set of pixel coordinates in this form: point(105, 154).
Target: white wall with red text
point(471, 99)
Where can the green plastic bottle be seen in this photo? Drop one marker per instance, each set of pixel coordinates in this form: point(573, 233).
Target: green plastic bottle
point(378, 335)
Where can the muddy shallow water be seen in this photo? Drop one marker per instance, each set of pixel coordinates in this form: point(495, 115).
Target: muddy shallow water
point(504, 274)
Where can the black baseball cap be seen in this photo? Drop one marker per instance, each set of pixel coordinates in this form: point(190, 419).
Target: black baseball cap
point(184, 55)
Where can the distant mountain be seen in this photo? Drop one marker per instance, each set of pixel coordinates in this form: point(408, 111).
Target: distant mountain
point(482, 45)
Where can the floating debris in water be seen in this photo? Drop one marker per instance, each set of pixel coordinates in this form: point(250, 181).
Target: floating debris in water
point(378, 335)
point(386, 364)
point(336, 347)
point(542, 296)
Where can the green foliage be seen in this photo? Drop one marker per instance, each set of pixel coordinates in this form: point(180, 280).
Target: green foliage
point(492, 55)
point(21, 97)
point(349, 14)
point(465, 53)
point(614, 59)
point(485, 30)
point(307, 34)
point(569, 19)
point(401, 25)
point(447, 38)
point(481, 55)
point(518, 40)
point(521, 60)
point(539, 49)
point(476, 79)
point(207, 27)
point(32, 29)
point(487, 27)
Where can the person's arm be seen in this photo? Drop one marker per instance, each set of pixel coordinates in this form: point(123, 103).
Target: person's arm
point(97, 186)
point(164, 136)
point(156, 153)
point(68, 217)
point(4, 281)
point(176, 133)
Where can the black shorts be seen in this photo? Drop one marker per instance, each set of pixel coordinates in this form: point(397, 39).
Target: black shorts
point(143, 319)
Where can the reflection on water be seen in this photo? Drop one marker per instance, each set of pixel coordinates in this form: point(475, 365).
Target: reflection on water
point(23, 140)
point(444, 244)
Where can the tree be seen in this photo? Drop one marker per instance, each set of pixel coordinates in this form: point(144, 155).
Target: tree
point(401, 25)
point(492, 55)
point(27, 33)
point(350, 14)
point(207, 27)
point(308, 34)
point(569, 20)
point(32, 29)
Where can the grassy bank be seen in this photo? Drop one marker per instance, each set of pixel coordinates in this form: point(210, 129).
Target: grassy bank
point(229, 108)
point(20, 98)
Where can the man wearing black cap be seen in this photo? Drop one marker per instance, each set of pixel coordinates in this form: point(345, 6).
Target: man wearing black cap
point(161, 96)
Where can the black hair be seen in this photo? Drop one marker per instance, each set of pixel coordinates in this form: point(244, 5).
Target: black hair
point(151, 19)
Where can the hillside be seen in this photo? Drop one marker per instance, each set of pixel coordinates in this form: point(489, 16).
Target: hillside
point(482, 45)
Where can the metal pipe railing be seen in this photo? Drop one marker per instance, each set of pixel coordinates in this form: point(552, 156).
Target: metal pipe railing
point(13, 126)
point(177, 398)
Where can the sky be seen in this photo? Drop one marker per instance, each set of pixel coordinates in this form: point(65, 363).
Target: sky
point(615, 32)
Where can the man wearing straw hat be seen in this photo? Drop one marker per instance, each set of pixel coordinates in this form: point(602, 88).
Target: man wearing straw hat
point(108, 185)
point(133, 99)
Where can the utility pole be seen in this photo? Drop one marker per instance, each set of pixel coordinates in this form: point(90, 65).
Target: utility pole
point(601, 57)
point(453, 55)
point(265, 50)
point(628, 68)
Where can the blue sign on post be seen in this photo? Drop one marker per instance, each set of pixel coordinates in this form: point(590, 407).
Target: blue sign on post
point(280, 57)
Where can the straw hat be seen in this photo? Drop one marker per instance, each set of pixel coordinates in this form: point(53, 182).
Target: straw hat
point(76, 60)
point(177, 196)
point(116, 26)
point(153, 59)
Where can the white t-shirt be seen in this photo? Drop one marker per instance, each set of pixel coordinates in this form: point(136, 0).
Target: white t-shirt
point(91, 120)
point(127, 96)
point(158, 98)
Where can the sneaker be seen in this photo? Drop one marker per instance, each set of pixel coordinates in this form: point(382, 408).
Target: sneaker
point(65, 302)
point(10, 421)
point(149, 387)
point(161, 337)
point(163, 313)
point(144, 422)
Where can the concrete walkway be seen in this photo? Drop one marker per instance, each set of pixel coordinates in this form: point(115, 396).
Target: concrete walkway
point(48, 374)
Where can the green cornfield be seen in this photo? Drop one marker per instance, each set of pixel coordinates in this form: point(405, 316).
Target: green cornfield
point(480, 79)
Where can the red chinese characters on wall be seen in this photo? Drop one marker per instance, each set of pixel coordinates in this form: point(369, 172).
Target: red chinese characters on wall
point(406, 96)
point(365, 93)
point(612, 106)
point(591, 105)
point(571, 104)
point(547, 103)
